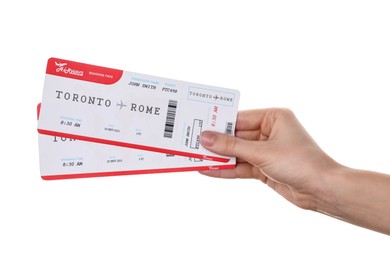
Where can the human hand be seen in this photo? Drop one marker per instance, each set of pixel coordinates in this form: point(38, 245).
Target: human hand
point(272, 146)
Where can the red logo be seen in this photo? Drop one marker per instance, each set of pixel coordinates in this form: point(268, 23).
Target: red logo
point(82, 71)
point(61, 67)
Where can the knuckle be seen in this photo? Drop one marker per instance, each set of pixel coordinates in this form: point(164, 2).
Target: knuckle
point(287, 112)
point(230, 144)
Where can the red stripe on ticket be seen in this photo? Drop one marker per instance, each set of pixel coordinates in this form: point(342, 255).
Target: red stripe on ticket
point(82, 71)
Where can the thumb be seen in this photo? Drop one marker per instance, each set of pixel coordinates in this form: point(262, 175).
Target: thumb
point(230, 146)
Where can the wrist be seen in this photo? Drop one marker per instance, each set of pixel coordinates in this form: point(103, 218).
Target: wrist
point(327, 198)
point(356, 196)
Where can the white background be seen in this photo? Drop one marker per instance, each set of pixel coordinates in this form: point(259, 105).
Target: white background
point(329, 61)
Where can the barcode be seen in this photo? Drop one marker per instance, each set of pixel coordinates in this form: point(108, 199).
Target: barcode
point(170, 120)
point(229, 128)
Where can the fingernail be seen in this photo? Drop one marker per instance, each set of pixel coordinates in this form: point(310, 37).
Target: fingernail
point(207, 138)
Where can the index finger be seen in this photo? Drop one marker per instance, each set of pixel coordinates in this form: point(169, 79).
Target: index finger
point(255, 119)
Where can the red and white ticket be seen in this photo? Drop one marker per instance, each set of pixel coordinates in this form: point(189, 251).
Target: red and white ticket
point(67, 158)
point(132, 110)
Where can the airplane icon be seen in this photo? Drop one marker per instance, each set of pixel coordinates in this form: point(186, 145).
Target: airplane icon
point(60, 64)
point(121, 105)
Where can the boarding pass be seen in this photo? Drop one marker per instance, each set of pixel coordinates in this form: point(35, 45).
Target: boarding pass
point(68, 158)
point(115, 107)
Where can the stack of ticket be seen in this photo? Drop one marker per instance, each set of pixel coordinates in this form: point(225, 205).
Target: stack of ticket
point(95, 121)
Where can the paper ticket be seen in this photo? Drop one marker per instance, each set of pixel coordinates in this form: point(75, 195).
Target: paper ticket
point(67, 158)
point(109, 106)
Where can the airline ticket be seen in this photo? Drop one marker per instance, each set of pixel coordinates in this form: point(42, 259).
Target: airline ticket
point(122, 108)
point(68, 158)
